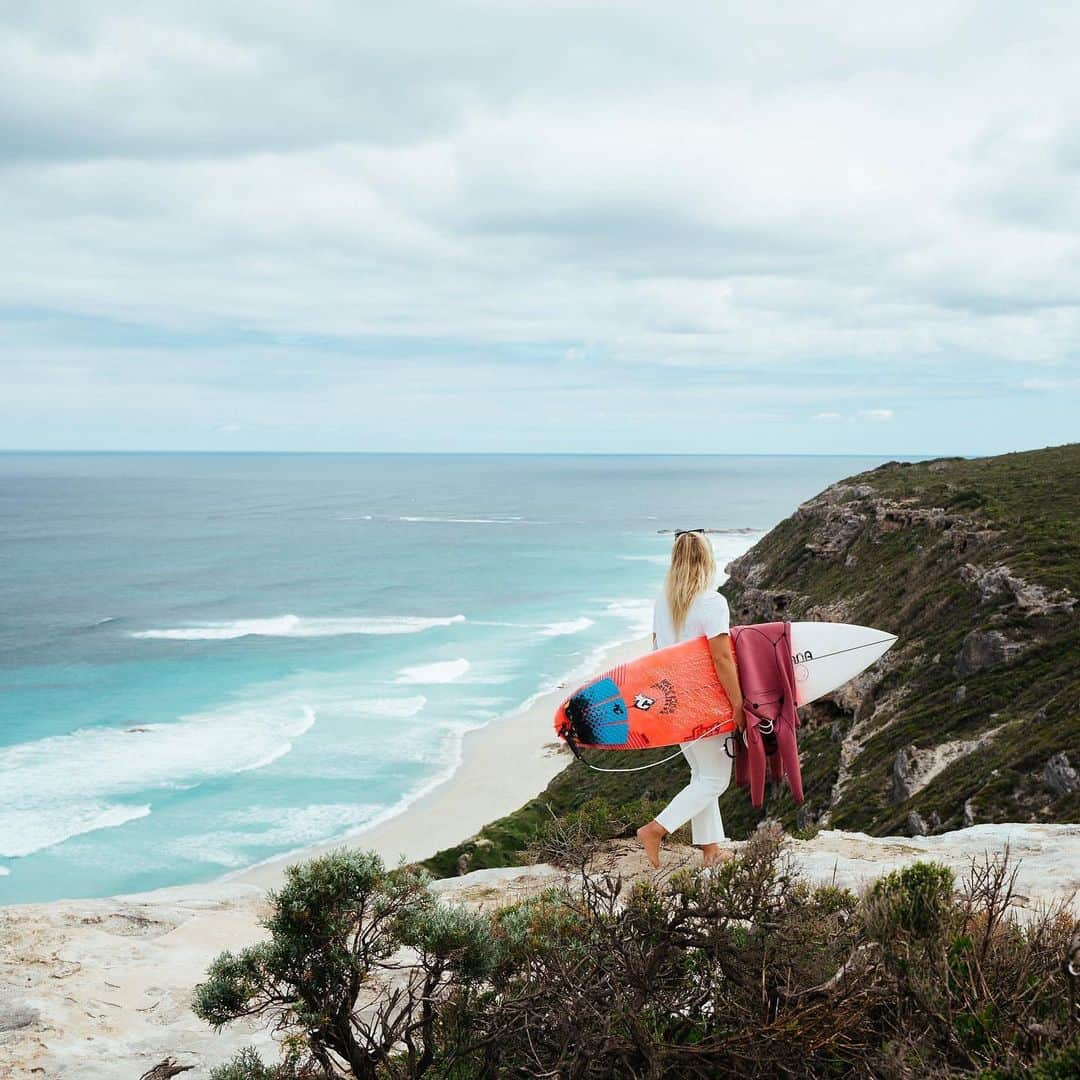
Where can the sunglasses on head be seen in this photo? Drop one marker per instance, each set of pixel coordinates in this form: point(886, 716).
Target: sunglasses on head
point(686, 532)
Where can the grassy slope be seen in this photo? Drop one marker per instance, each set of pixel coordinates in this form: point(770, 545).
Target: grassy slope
point(1020, 510)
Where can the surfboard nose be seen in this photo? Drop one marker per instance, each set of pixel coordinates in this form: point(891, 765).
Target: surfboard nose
point(826, 655)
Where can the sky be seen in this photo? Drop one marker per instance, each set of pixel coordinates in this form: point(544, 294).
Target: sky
point(540, 226)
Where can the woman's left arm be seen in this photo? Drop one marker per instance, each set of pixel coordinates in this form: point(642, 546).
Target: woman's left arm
point(724, 662)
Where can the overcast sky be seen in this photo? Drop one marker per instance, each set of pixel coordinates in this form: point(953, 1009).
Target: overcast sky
point(815, 227)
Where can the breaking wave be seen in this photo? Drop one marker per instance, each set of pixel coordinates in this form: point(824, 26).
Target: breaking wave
point(572, 626)
point(296, 626)
point(442, 671)
point(469, 520)
point(66, 785)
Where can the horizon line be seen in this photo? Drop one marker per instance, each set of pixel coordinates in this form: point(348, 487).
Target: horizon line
point(500, 453)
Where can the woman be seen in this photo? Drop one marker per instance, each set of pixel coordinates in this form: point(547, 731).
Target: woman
point(690, 606)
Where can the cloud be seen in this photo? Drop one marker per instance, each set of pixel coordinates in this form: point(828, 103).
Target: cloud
point(804, 212)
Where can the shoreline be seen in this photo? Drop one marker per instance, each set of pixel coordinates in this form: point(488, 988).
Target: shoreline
point(523, 736)
point(480, 787)
point(501, 766)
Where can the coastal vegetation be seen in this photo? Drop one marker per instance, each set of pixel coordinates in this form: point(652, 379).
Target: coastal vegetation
point(743, 971)
point(973, 717)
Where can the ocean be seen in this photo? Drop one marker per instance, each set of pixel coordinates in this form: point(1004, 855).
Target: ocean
point(210, 659)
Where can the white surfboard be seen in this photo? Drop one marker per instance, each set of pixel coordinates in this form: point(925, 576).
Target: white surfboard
point(827, 654)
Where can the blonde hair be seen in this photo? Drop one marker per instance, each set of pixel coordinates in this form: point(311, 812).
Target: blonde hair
point(692, 571)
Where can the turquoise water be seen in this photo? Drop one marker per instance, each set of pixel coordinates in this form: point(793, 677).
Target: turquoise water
point(206, 660)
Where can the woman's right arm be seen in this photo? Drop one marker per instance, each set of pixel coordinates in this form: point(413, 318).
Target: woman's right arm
point(724, 662)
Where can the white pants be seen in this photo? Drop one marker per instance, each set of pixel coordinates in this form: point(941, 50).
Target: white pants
point(710, 774)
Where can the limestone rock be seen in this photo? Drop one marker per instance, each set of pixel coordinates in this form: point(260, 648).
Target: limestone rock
point(904, 771)
point(856, 696)
point(15, 1014)
point(1059, 775)
point(767, 605)
point(838, 533)
point(914, 768)
point(1047, 857)
point(982, 649)
point(1000, 583)
point(916, 825)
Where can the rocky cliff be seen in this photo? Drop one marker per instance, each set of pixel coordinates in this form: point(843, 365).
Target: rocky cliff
point(974, 716)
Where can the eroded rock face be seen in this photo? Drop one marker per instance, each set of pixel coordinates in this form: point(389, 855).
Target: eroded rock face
point(904, 772)
point(998, 583)
point(856, 696)
point(843, 528)
point(1059, 775)
point(767, 605)
point(914, 768)
point(983, 649)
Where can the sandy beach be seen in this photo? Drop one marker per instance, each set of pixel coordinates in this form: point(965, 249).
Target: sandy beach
point(100, 988)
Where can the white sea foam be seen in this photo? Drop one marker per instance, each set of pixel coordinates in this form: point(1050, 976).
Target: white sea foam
point(392, 708)
point(447, 751)
point(442, 671)
point(66, 785)
point(271, 827)
point(573, 626)
point(555, 629)
point(51, 824)
point(299, 627)
point(656, 560)
point(636, 611)
point(4, 870)
point(469, 520)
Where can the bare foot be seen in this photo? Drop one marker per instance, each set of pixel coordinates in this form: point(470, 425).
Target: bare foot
point(650, 836)
point(713, 854)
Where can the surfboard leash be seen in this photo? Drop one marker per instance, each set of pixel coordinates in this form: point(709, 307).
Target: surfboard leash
point(568, 735)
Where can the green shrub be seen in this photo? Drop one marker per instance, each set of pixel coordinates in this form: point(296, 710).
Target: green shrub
point(248, 1065)
point(915, 900)
point(1062, 1063)
point(742, 971)
point(336, 922)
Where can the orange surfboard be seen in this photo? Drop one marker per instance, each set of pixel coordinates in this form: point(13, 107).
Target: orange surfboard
point(666, 697)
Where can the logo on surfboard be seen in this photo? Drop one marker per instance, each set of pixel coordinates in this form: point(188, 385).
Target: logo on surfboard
point(644, 703)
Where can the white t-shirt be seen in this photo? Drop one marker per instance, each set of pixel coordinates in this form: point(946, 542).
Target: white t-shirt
point(708, 615)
